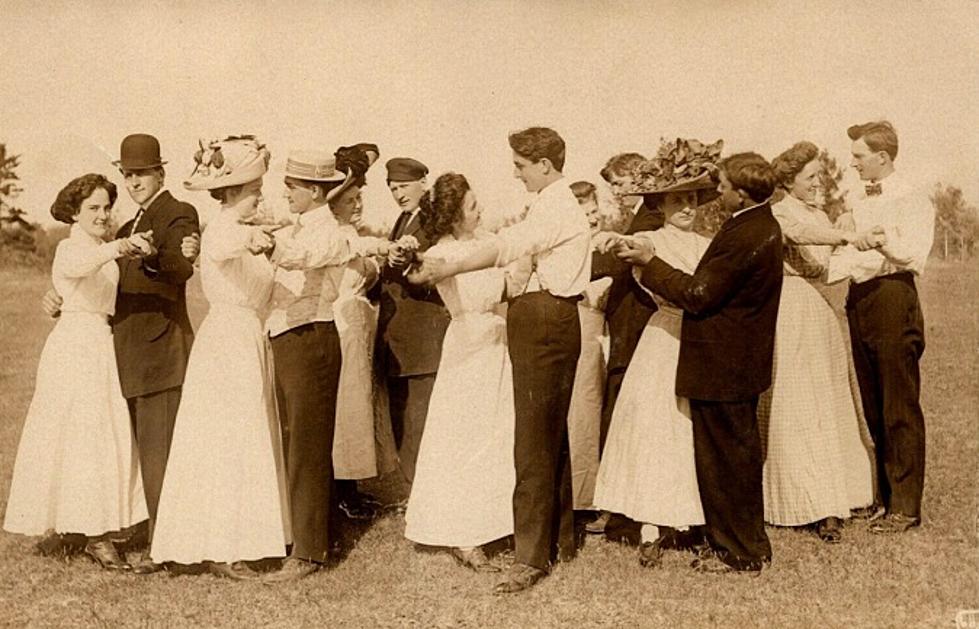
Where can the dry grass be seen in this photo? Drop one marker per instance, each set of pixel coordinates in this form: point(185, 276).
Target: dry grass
point(917, 580)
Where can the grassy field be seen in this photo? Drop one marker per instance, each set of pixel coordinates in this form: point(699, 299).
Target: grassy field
point(920, 579)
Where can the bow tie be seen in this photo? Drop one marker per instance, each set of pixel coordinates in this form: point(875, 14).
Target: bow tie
point(873, 189)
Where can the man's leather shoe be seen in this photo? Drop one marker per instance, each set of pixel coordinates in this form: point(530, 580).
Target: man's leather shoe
point(105, 554)
point(894, 523)
point(597, 526)
point(145, 565)
point(650, 553)
point(237, 571)
point(830, 530)
point(870, 513)
point(292, 569)
point(474, 558)
point(519, 577)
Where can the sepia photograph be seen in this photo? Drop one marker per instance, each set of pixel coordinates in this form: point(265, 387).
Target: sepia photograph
point(510, 313)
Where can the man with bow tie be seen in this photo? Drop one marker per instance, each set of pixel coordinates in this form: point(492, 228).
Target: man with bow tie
point(412, 319)
point(886, 324)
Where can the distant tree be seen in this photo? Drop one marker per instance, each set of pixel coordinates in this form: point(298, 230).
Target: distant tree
point(956, 222)
point(17, 234)
point(830, 175)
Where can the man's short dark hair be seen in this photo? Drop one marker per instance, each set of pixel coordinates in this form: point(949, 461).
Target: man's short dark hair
point(879, 136)
point(621, 165)
point(750, 172)
point(537, 143)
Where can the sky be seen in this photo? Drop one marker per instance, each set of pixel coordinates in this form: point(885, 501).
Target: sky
point(446, 82)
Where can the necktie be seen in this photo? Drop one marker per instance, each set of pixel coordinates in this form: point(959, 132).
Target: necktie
point(402, 224)
point(139, 214)
point(873, 189)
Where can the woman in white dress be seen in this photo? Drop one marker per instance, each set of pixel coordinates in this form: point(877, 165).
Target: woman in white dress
point(362, 448)
point(76, 472)
point(223, 497)
point(462, 495)
point(588, 391)
point(818, 464)
point(648, 471)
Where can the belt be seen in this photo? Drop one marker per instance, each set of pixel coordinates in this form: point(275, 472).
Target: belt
point(571, 300)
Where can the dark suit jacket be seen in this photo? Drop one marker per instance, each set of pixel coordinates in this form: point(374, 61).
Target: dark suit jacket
point(151, 330)
point(412, 318)
point(628, 307)
point(730, 305)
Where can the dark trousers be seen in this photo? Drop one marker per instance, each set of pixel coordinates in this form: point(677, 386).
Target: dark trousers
point(409, 396)
point(613, 383)
point(152, 417)
point(307, 373)
point(544, 337)
point(727, 451)
point(888, 338)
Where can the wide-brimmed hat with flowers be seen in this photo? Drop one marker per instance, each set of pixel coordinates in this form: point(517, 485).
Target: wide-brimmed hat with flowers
point(679, 166)
point(233, 161)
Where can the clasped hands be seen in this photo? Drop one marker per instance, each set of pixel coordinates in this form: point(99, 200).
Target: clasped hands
point(139, 245)
point(634, 250)
point(873, 238)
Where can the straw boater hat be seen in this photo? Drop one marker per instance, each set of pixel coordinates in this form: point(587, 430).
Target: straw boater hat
point(317, 166)
point(679, 166)
point(233, 161)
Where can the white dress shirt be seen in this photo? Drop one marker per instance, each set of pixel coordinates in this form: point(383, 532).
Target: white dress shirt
point(309, 260)
point(909, 222)
point(556, 235)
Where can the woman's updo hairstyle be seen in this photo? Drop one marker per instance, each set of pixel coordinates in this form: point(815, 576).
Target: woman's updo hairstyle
point(69, 200)
point(791, 162)
point(441, 207)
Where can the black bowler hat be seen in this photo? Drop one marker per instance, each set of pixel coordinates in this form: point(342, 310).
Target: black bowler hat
point(138, 152)
point(405, 169)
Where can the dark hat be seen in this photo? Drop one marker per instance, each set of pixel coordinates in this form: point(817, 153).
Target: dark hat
point(139, 151)
point(405, 169)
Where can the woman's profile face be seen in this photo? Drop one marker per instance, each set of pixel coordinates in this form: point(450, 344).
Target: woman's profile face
point(246, 201)
point(805, 185)
point(94, 214)
point(680, 209)
point(471, 213)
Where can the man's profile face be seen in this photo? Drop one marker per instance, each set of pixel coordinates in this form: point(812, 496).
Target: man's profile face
point(866, 162)
point(142, 184)
point(618, 184)
point(730, 198)
point(532, 174)
point(407, 194)
point(299, 194)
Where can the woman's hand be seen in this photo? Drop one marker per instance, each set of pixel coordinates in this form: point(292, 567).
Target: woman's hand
point(260, 239)
point(430, 272)
point(190, 247)
point(51, 303)
point(141, 244)
point(634, 251)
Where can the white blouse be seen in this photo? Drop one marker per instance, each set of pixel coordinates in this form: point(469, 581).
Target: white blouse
point(85, 274)
point(230, 274)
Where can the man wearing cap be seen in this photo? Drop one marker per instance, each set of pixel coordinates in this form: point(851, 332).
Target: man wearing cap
point(886, 324)
point(412, 320)
point(150, 327)
point(544, 336)
point(309, 259)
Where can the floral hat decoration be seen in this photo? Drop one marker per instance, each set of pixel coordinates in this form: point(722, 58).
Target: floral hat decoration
point(233, 161)
point(679, 165)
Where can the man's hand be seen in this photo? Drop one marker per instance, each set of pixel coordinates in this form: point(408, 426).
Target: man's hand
point(260, 240)
point(635, 251)
point(190, 246)
point(870, 239)
point(51, 303)
point(141, 244)
point(604, 241)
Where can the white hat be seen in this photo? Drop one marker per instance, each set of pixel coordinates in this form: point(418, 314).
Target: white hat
point(233, 161)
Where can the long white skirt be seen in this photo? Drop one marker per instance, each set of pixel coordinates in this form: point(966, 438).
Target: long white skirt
point(648, 471)
point(462, 494)
point(76, 469)
point(585, 409)
point(224, 495)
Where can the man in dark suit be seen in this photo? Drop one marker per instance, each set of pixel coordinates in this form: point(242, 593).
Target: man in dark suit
point(730, 306)
point(150, 328)
point(412, 320)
